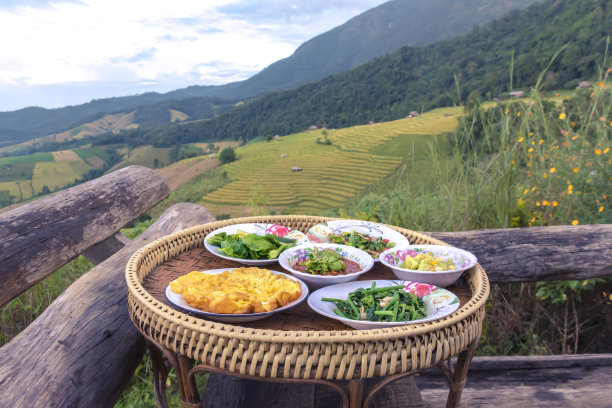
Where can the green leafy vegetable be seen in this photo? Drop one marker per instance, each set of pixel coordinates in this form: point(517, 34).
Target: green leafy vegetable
point(373, 245)
point(251, 246)
point(322, 261)
point(384, 304)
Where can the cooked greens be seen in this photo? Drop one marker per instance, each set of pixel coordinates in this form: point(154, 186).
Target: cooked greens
point(383, 304)
point(321, 261)
point(373, 245)
point(251, 246)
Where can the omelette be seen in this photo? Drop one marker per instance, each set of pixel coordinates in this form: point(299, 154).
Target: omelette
point(240, 291)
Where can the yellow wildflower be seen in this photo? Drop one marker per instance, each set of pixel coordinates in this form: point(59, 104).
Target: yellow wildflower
point(600, 84)
point(575, 169)
point(521, 139)
point(562, 115)
point(554, 203)
point(530, 149)
point(541, 141)
point(552, 169)
point(601, 208)
point(526, 191)
point(575, 222)
point(537, 203)
point(545, 175)
point(518, 113)
point(531, 134)
point(598, 152)
point(606, 150)
point(546, 203)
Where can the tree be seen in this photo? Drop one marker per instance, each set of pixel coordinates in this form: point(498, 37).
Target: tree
point(227, 155)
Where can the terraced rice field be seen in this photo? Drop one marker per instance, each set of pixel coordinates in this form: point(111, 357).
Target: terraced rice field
point(331, 174)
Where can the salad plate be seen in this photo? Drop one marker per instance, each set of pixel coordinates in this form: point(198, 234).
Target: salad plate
point(439, 302)
point(369, 236)
point(285, 234)
point(178, 301)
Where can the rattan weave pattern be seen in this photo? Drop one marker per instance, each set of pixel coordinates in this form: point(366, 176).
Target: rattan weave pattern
point(304, 354)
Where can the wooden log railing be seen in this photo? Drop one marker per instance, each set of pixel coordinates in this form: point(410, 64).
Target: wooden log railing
point(83, 348)
point(39, 237)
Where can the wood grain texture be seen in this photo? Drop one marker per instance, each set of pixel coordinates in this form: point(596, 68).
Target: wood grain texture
point(83, 349)
point(538, 253)
point(38, 238)
point(547, 387)
point(105, 249)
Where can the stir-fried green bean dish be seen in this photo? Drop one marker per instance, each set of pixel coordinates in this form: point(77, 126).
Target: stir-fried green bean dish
point(383, 304)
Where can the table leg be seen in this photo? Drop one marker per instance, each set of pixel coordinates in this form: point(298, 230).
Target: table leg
point(160, 375)
point(182, 366)
point(459, 374)
point(356, 393)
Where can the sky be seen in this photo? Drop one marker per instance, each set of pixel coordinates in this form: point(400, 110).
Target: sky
point(56, 53)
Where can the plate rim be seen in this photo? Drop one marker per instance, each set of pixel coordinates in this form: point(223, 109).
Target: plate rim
point(379, 325)
point(305, 294)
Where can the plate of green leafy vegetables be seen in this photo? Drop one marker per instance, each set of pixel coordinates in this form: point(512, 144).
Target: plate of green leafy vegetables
point(252, 243)
point(383, 303)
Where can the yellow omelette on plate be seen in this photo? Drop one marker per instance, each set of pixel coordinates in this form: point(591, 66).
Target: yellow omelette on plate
point(240, 291)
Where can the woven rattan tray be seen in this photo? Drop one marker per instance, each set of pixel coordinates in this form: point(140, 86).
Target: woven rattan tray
point(298, 344)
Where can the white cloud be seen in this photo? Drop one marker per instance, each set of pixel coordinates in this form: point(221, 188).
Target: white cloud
point(138, 41)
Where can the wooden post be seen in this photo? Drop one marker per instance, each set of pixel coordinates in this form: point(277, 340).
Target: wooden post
point(83, 349)
point(38, 238)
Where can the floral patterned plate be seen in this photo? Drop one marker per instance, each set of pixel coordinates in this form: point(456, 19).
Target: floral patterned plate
point(439, 302)
point(320, 233)
point(462, 259)
point(259, 229)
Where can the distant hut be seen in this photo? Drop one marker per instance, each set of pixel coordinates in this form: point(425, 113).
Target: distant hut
point(313, 127)
point(283, 156)
point(584, 85)
point(296, 169)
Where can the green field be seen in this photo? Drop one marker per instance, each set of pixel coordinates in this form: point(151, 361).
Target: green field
point(357, 159)
point(32, 158)
point(92, 152)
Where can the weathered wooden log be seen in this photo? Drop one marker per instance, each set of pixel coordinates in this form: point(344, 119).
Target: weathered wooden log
point(529, 381)
point(102, 251)
point(38, 238)
point(82, 350)
point(538, 253)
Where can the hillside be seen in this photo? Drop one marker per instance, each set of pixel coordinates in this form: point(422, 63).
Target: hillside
point(422, 78)
point(372, 34)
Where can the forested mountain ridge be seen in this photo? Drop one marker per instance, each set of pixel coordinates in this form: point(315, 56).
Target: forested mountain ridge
point(375, 32)
point(372, 34)
point(421, 78)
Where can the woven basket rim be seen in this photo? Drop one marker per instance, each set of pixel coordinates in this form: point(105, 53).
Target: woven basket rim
point(177, 318)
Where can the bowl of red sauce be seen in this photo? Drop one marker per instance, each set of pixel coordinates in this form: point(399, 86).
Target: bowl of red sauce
point(321, 265)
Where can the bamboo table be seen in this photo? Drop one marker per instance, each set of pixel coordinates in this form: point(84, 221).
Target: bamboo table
point(297, 345)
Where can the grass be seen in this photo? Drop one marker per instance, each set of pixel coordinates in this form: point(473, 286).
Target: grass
point(32, 158)
point(21, 311)
point(92, 152)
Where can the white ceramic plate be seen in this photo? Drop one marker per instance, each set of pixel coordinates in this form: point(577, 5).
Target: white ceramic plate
point(299, 253)
point(439, 302)
point(462, 259)
point(259, 229)
point(177, 300)
point(321, 232)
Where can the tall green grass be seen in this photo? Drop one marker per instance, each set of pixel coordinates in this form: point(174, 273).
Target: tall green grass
point(518, 164)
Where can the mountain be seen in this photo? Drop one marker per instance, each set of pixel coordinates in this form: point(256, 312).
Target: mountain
point(372, 34)
point(420, 78)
